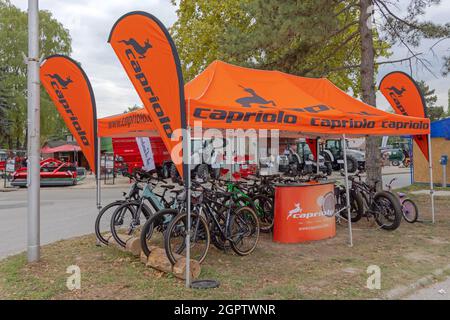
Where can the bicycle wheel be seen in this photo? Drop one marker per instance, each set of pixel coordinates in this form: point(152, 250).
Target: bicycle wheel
point(175, 238)
point(387, 210)
point(356, 205)
point(244, 231)
point(103, 220)
point(152, 233)
point(263, 206)
point(125, 220)
point(217, 239)
point(410, 211)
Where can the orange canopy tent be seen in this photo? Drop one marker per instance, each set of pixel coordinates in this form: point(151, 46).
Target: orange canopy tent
point(227, 96)
point(131, 124)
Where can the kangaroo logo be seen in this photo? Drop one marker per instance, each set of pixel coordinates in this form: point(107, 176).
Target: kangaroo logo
point(63, 83)
point(398, 92)
point(297, 209)
point(141, 50)
point(246, 102)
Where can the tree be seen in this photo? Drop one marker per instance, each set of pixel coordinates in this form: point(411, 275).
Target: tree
point(313, 38)
point(200, 29)
point(133, 108)
point(54, 38)
point(433, 111)
point(407, 31)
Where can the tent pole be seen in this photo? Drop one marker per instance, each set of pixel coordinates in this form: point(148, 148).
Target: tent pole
point(187, 186)
point(99, 200)
point(430, 162)
point(347, 193)
point(317, 156)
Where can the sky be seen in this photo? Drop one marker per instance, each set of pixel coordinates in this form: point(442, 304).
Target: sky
point(89, 23)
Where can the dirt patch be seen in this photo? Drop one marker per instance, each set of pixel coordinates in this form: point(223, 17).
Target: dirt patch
point(326, 269)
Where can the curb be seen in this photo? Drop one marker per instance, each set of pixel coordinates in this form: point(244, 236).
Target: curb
point(404, 291)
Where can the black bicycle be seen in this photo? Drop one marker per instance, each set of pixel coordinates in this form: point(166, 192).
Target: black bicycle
point(215, 218)
point(383, 206)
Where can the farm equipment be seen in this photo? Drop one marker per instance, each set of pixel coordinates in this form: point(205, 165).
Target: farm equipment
point(333, 152)
point(54, 172)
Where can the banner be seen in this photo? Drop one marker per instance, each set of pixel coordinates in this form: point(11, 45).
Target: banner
point(312, 143)
point(405, 97)
point(149, 56)
point(145, 148)
point(71, 92)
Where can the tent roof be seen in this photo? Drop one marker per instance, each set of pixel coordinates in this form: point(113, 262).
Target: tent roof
point(61, 148)
point(226, 96)
point(229, 96)
point(131, 124)
point(441, 128)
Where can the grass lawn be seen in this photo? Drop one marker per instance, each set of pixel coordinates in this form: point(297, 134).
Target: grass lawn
point(326, 269)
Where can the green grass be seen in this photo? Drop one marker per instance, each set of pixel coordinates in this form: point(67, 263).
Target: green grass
point(326, 269)
point(420, 186)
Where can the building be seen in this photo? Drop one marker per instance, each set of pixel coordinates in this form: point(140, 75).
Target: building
point(440, 143)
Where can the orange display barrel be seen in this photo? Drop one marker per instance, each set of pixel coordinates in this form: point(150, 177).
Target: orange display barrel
point(304, 212)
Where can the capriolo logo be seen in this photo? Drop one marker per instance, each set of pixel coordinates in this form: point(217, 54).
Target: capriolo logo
point(139, 74)
point(140, 49)
point(62, 82)
point(58, 84)
point(254, 98)
point(326, 203)
point(395, 94)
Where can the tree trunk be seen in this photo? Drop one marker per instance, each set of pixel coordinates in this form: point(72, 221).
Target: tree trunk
point(373, 166)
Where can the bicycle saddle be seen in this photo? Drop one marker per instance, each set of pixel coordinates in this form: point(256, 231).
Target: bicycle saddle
point(224, 194)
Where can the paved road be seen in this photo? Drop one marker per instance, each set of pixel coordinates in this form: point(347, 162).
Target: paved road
point(67, 212)
point(438, 291)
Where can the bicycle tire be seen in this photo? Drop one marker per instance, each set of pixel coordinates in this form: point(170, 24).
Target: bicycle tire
point(255, 229)
point(146, 211)
point(266, 220)
point(174, 224)
point(98, 219)
point(395, 206)
point(149, 226)
point(356, 205)
point(414, 216)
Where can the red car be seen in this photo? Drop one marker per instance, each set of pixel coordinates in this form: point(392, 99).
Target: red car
point(53, 173)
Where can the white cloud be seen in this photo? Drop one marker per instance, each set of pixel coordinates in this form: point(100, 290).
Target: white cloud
point(89, 23)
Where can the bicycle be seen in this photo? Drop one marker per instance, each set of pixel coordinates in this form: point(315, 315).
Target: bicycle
point(215, 218)
point(383, 206)
point(409, 208)
point(126, 219)
point(102, 221)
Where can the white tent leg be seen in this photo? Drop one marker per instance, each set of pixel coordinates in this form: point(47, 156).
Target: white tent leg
point(317, 156)
point(99, 195)
point(431, 177)
point(187, 184)
point(347, 193)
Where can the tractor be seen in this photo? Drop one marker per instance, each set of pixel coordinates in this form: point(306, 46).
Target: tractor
point(332, 150)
